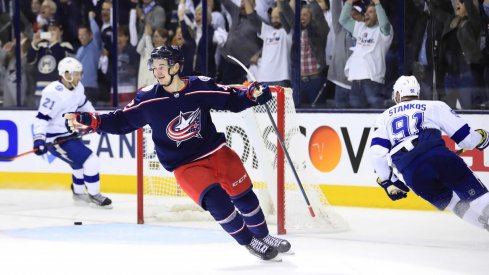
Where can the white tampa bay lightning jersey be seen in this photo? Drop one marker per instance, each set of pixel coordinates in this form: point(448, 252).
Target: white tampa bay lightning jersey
point(55, 101)
point(402, 123)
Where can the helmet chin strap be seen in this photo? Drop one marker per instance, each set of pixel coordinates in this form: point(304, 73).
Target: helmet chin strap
point(394, 95)
point(69, 80)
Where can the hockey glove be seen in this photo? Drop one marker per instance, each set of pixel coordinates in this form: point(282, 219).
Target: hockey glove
point(40, 146)
point(82, 122)
point(265, 96)
point(484, 141)
point(396, 190)
point(258, 92)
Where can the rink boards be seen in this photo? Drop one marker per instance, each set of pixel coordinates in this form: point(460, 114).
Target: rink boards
point(336, 147)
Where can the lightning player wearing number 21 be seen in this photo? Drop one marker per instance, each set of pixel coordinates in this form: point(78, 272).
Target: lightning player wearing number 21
point(409, 135)
point(187, 143)
point(59, 97)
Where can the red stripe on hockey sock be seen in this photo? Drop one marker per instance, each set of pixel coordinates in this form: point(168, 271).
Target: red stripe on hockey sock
point(251, 226)
point(237, 231)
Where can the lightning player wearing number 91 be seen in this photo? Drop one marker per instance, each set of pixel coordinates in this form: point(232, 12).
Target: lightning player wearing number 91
point(59, 97)
point(187, 143)
point(409, 134)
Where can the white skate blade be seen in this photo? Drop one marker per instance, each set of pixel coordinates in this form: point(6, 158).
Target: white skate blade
point(80, 203)
point(288, 253)
point(276, 259)
point(94, 205)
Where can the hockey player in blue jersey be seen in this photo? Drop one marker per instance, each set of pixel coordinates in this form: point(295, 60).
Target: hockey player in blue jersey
point(409, 139)
point(59, 97)
point(187, 143)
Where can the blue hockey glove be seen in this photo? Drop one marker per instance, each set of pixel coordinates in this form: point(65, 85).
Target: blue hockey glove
point(40, 146)
point(258, 92)
point(485, 139)
point(265, 96)
point(396, 190)
point(82, 122)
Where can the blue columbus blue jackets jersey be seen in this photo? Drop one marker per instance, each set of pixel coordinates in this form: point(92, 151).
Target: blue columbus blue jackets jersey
point(182, 128)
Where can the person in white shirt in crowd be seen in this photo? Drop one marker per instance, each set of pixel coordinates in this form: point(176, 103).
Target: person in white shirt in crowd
point(277, 44)
point(366, 67)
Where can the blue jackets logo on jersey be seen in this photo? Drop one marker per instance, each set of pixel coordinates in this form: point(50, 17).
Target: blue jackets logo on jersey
point(184, 127)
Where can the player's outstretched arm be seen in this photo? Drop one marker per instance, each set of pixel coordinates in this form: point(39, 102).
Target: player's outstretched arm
point(82, 122)
point(394, 188)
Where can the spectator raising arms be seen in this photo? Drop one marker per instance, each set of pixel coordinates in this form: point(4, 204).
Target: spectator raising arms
point(344, 41)
point(242, 41)
point(183, 39)
point(127, 66)
point(314, 31)
point(8, 73)
point(148, 12)
point(460, 55)
point(366, 66)
point(88, 54)
point(150, 40)
point(193, 29)
point(277, 43)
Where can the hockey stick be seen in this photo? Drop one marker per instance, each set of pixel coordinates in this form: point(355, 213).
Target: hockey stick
point(460, 151)
point(282, 144)
point(48, 145)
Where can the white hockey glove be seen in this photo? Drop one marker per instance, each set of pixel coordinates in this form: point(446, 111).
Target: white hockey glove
point(396, 190)
point(484, 141)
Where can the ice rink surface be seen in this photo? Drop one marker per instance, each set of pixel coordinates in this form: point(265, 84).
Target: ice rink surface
point(37, 236)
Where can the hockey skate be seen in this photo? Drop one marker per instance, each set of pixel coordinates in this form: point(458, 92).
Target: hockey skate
point(281, 245)
point(100, 201)
point(262, 250)
point(80, 199)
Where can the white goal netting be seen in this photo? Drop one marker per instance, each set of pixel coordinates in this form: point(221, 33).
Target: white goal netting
point(251, 134)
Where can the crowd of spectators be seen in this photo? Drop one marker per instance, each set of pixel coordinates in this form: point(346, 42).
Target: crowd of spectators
point(351, 51)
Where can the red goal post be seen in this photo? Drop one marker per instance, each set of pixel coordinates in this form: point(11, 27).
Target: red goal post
point(251, 135)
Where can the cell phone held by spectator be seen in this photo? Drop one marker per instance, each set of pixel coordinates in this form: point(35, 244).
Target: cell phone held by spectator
point(45, 36)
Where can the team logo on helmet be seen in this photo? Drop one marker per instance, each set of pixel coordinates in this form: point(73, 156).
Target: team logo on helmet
point(184, 127)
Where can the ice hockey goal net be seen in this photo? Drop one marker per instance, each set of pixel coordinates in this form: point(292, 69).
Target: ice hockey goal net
point(251, 134)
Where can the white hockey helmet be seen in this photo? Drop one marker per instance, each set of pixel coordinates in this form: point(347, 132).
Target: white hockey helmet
point(69, 64)
point(405, 86)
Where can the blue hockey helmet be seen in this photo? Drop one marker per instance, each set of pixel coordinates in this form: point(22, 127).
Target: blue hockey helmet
point(173, 54)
